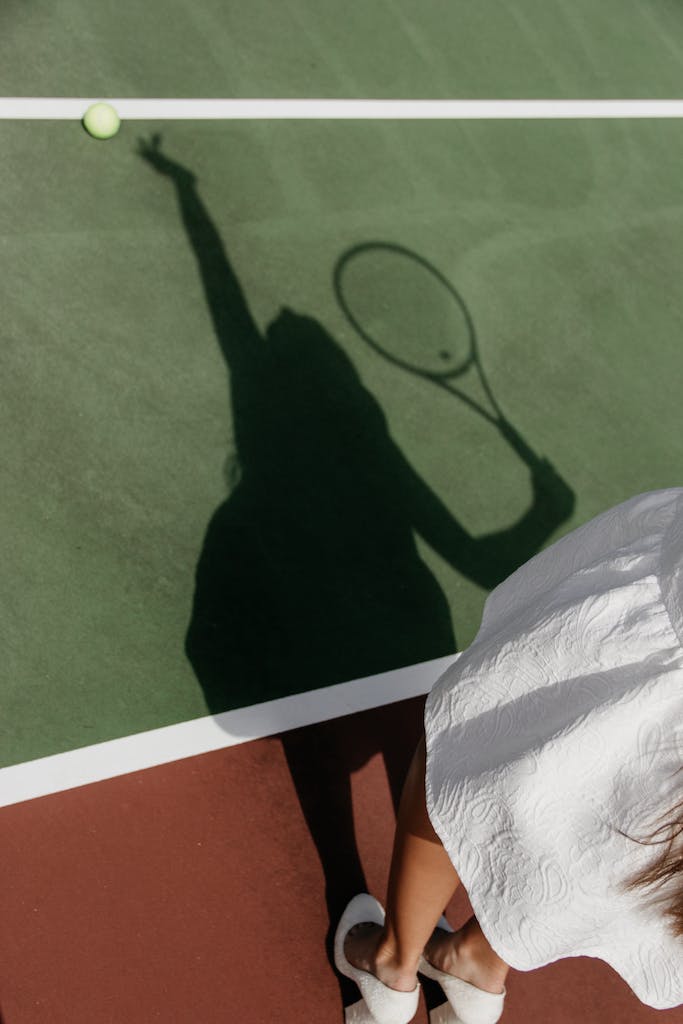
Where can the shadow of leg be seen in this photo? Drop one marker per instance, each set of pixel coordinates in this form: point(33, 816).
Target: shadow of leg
point(318, 759)
point(399, 729)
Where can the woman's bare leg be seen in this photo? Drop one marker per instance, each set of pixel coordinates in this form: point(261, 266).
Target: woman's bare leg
point(422, 880)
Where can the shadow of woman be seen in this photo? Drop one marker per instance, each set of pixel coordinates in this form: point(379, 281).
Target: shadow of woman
point(309, 573)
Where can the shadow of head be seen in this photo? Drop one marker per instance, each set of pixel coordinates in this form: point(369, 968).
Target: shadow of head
point(303, 342)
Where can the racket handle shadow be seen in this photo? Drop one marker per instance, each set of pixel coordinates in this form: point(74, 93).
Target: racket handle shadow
point(518, 444)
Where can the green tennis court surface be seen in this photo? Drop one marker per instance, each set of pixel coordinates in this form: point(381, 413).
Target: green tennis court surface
point(124, 436)
point(310, 48)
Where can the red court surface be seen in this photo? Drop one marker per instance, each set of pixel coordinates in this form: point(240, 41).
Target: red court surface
point(196, 892)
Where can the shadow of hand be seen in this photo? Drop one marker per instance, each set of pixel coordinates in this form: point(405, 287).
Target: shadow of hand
point(150, 150)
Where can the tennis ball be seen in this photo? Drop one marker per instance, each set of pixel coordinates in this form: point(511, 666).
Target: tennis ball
point(101, 121)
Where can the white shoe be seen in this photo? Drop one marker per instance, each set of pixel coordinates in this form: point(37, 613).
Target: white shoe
point(380, 1004)
point(466, 1004)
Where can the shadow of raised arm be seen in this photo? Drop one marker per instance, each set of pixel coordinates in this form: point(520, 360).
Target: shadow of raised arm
point(233, 323)
point(489, 559)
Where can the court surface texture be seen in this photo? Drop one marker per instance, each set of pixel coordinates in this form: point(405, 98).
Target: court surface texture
point(240, 543)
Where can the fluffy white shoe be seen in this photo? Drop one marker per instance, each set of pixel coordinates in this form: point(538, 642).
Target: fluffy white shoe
point(466, 1004)
point(380, 1004)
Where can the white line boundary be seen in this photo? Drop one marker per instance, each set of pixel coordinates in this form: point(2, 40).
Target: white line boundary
point(108, 760)
point(56, 108)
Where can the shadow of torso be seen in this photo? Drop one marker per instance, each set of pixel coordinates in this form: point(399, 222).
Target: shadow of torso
point(309, 573)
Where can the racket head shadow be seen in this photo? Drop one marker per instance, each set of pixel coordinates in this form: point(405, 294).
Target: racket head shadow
point(405, 309)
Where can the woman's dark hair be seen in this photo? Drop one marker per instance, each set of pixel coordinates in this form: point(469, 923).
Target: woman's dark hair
point(668, 867)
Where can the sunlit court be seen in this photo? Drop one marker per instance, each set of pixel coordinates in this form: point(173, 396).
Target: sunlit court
point(316, 330)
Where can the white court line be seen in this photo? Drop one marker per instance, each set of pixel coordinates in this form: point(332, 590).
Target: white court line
point(55, 108)
point(112, 758)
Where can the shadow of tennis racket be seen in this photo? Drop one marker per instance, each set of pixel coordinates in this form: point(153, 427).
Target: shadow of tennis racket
point(408, 312)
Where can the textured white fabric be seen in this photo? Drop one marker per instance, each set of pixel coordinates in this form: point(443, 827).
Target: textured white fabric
point(562, 722)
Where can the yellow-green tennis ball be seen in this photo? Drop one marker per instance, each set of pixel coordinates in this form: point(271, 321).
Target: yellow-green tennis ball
point(101, 121)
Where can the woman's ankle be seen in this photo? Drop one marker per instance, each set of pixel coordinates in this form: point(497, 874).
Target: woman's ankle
point(396, 964)
point(473, 945)
point(368, 948)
